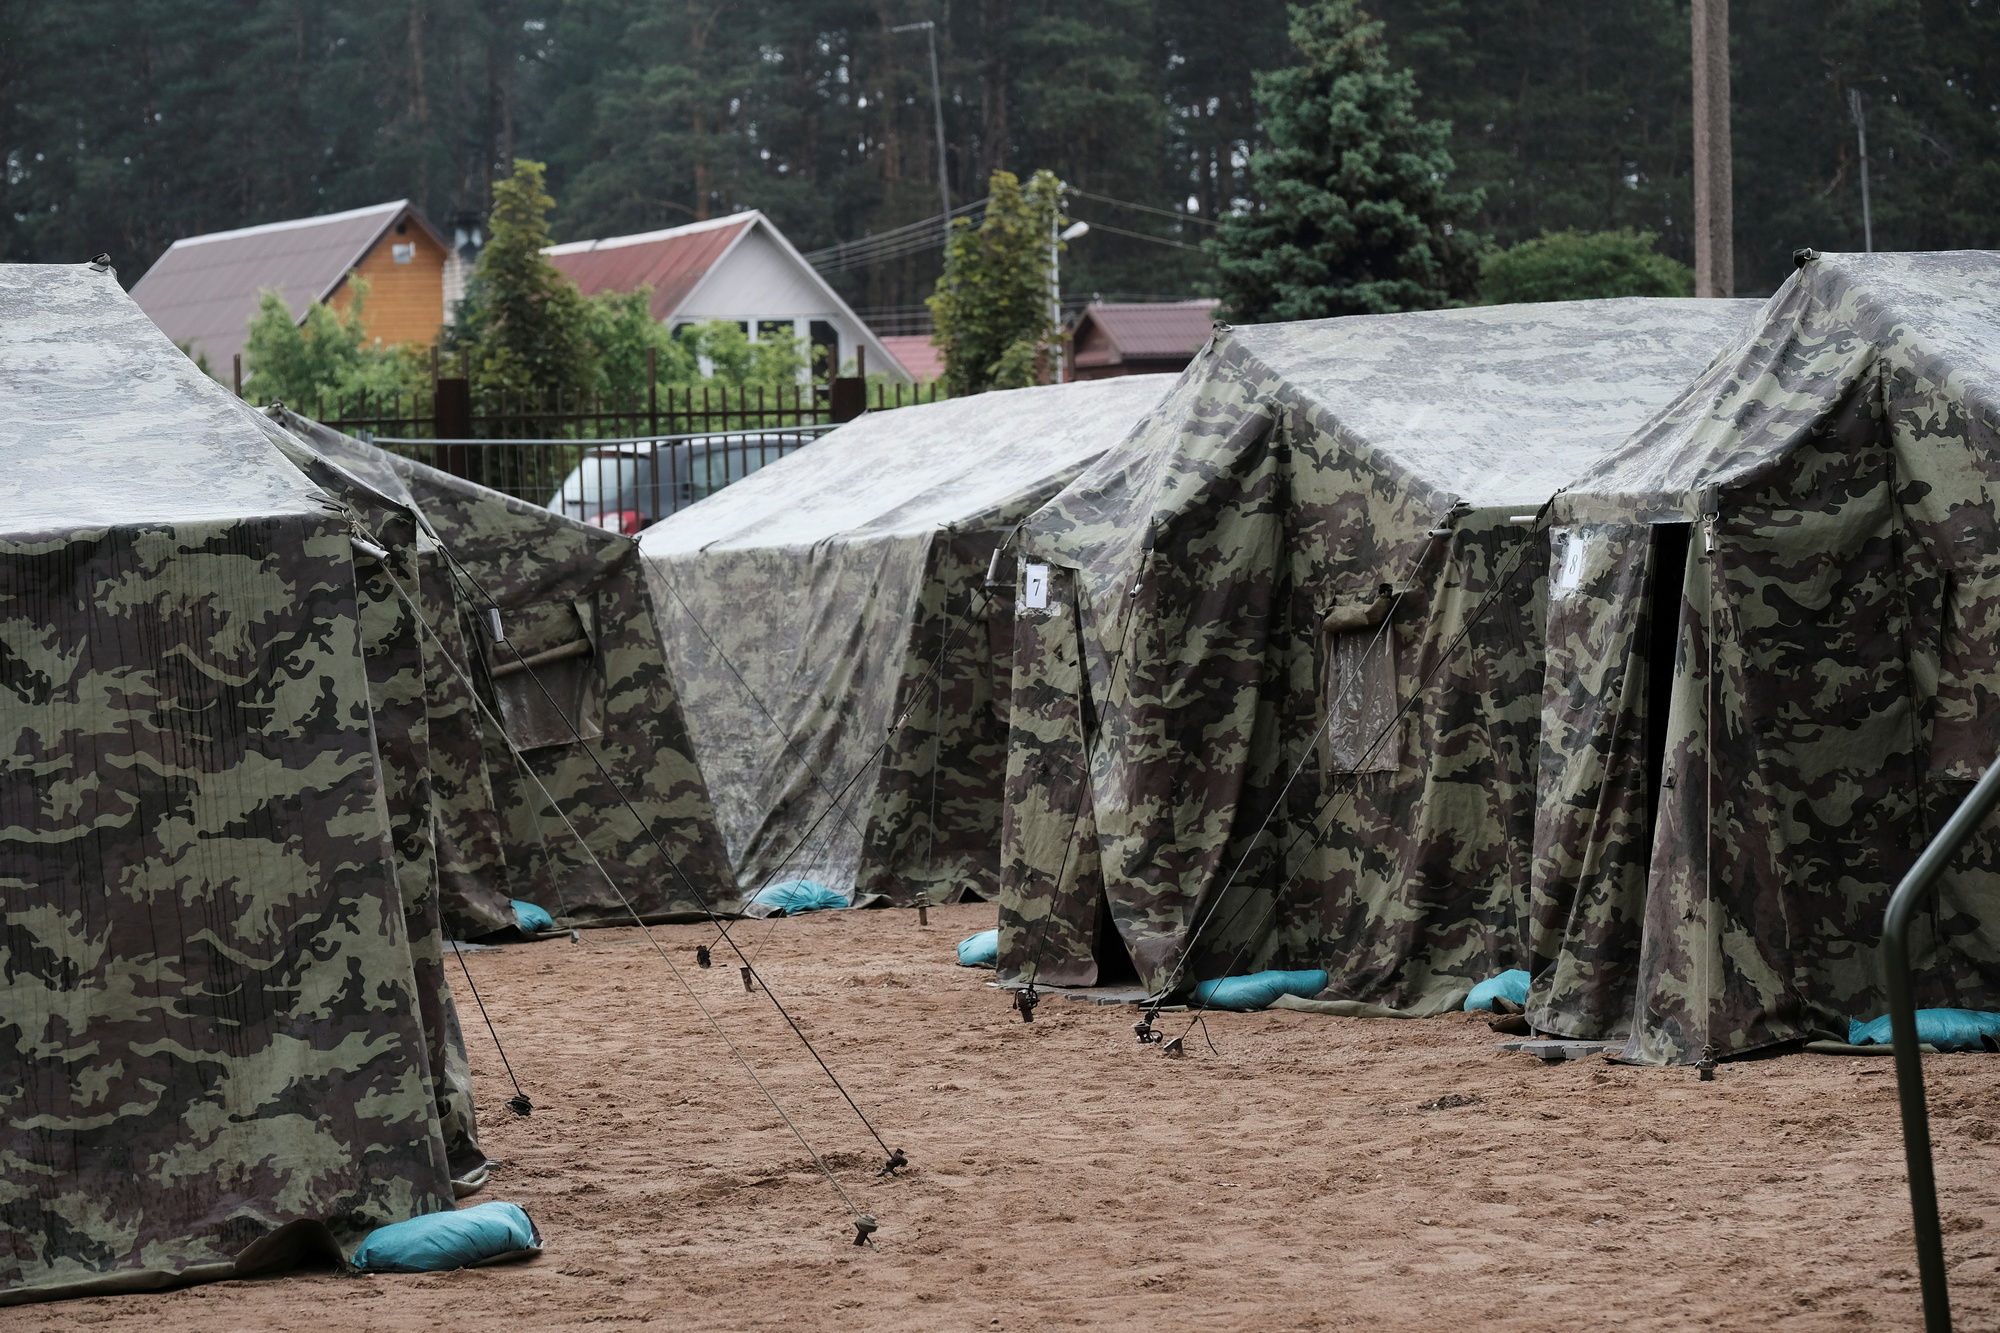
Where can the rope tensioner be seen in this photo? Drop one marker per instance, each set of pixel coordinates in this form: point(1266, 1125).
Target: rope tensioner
point(896, 1159)
point(864, 1227)
point(520, 1105)
point(702, 957)
point(1025, 1000)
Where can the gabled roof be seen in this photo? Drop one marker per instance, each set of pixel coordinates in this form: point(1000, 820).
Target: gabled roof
point(1141, 331)
point(672, 262)
point(681, 265)
point(203, 291)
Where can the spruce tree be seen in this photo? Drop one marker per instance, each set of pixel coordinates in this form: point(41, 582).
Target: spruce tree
point(1353, 215)
point(991, 308)
point(526, 324)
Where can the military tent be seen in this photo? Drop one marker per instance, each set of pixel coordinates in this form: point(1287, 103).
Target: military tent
point(1774, 672)
point(567, 726)
point(1278, 655)
point(221, 982)
point(810, 606)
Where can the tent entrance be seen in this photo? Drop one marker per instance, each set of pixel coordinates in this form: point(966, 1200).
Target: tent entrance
point(1114, 962)
point(1663, 614)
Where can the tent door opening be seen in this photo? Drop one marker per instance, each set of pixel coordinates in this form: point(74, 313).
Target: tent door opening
point(1114, 962)
point(1663, 615)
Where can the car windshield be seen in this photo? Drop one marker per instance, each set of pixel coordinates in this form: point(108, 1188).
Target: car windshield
point(605, 481)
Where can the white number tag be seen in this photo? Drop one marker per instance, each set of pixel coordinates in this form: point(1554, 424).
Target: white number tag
point(1035, 587)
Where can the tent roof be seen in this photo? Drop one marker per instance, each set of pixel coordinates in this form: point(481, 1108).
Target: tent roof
point(914, 469)
point(1498, 404)
point(108, 423)
point(204, 290)
point(1936, 313)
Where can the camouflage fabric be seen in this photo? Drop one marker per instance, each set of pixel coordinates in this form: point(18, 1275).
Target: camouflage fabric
point(1833, 675)
point(214, 1008)
point(810, 606)
point(560, 585)
point(1310, 636)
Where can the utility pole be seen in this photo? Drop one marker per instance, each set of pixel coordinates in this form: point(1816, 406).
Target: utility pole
point(1861, 134)
point(1714, 221)
point(929, 30)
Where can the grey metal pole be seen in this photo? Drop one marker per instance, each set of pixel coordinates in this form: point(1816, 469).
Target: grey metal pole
point(1861, 136)
point(1917, 885)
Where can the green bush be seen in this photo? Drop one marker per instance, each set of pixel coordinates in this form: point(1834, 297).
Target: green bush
point(1582, 266)
point(325, 356)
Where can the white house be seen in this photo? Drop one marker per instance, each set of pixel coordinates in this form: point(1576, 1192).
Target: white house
point(737, 268)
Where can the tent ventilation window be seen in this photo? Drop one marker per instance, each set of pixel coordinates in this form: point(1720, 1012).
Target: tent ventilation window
point(1663, 633)
point(1358, 687)
point(545, 676)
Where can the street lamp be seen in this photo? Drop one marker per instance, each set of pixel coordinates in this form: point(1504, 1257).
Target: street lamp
point(1069, 233)
point(929, 29)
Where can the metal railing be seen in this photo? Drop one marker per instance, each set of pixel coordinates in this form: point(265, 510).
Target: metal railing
point(1923, 876)
point(622, 484)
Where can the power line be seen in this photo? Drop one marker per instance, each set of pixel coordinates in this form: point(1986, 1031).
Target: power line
point(1143, 236)
point(1195, 218)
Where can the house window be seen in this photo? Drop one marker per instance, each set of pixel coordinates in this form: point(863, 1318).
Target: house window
point(405, 253)
point(775, 330)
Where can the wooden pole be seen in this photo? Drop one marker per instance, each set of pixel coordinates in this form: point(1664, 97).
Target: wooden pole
point(239, 374)
point(1714, 210)
point(652, 391)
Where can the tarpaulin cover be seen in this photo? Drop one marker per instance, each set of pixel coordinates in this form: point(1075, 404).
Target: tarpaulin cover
point(1511, 985)
point(794, 896)
point(223, 1017)
point(981, 950)
point(807, 607)
point(437, 1242)
point(1833, 639)
point(1945, 1029)
point(1259, 990)
point(1307, 561)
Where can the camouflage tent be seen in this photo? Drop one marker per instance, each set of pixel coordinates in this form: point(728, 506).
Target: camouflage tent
point(1278, 656)
point(1773, 673)
point(520, 728)
point(220, 977)
point(808, 607)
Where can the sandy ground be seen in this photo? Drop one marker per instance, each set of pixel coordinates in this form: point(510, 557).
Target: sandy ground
point(1065, 1177)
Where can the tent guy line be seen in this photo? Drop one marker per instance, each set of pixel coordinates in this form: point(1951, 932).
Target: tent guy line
point(700, 898)
point(519, 1103)
point(864, 1222)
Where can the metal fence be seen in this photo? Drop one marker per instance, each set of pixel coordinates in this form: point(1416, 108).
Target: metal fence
point(450, 411)
point(621, 483)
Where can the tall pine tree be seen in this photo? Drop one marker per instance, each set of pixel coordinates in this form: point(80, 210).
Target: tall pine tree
point(1353, 215)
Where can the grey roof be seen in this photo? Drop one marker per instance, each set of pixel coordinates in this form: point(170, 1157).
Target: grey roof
point(204, 289)
point(914, 469)
point(103, 422)
point(1498, 404)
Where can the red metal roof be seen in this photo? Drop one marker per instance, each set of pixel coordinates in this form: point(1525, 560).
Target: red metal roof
point(918, 355)
point(1108, 334)
point(671, 262)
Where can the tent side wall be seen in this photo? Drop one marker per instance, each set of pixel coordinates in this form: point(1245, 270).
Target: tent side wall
point(210, 989)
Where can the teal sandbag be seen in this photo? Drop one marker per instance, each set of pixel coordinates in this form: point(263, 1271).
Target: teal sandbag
point(981, 950)
point(1507, 986)
point(438, 1241)
point(531, 919)
point(1946, 1029)
point(1257, 990)
point(798, 895)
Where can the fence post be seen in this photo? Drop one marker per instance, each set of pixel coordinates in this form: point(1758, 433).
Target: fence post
point(238, 359)
point(653, 391)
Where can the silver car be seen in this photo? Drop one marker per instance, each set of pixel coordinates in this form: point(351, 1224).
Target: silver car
point(625, 486)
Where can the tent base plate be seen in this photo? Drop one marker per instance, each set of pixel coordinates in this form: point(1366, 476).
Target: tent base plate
point(1554, 1051)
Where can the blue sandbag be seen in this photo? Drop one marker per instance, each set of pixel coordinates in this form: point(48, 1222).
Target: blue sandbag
point(438, 1241)
point(1946, 1029)
point(981, 950)
point(793, 896)
point(1257, 990)
point(531, 919)
point(1511, 985)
